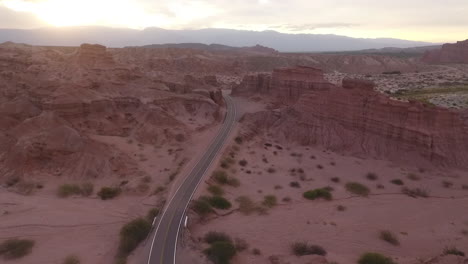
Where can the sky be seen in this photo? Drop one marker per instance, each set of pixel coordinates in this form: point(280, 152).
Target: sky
point(422, 20)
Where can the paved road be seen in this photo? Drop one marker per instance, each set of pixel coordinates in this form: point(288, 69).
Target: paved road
point(164, 243)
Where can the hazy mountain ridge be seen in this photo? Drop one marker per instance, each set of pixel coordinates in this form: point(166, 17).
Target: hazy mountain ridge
point(120, 37)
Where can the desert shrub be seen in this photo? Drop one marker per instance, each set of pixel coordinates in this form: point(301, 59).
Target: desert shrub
point(278, 187)
point(256, 251)
point(238, 140)
point(243, 162)
point(389, 237)
point(87, 189)
point(295, 184)
point(202, 207)
point(270, 201)
point(397, 182)
point(131, 234)
point(72, 259)
point(220, 252)
point(16, 248)
point(246, 205)
point(303, 249)
point(287, 199)
point(318, 193)
point(152, 213)
point(320, 167)
point(107, 193)
point(219, 202)
point(335, 179)
point(12, 181)
point(213, 236)
point(271, 170)
point(227, 162)
point(216, 190)
point(66, 190)
point(234, 182)
point(453, 251)
point(374, 258)
point(413, 177)
point(357, 188)
point(143, 187)
point(341, 208)
point(447, 184)
point(415, 192)
point(465, 186)
point(371, 176)
point(220, 177)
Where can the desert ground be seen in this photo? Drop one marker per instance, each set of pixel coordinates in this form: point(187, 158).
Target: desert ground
point(78, 121)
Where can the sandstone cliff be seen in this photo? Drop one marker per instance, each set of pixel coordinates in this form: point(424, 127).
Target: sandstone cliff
point(449, 53)
point(357, 120)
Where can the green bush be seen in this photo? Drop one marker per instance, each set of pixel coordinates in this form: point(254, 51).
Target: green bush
point(318, 193)
point(213, 236)
point(220, 252)
point(220, 177)
point(202, 207)
point(389, 237)
point(16, 248)
point(66, 190)
point(219, 202)
point(270, 201)
point(397, 182)
point(453, 251)
point(216, 190)
point(303, 249)
point(374, 258)
point(357, 188)
point(246, 205)
point(107, 193)
point(234, 182)
point(72, 259)
point(132, 234)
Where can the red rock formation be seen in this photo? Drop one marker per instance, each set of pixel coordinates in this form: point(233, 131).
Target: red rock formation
point(357, 120)
point(449, 53)
point(94, 55)
point(287, 84)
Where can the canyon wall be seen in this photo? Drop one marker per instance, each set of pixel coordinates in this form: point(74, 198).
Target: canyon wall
point(449, 53)
point(357, 120)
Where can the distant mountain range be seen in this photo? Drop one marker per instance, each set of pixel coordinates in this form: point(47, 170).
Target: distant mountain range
point(119, 37)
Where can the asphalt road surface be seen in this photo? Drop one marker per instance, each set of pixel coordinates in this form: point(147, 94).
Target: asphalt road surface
point(164, 243)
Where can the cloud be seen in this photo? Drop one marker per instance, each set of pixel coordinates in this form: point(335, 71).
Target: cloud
point(310, 27)
point(13, 19)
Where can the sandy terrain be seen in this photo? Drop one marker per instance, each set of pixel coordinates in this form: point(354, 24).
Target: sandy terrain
point(424, 226)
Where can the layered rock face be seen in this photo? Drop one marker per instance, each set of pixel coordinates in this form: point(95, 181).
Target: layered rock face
point(94, 55)
point(287, 84)
point(357, 120)
point(449, 53)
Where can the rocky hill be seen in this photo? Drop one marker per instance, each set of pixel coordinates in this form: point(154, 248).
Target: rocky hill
point(449, 53)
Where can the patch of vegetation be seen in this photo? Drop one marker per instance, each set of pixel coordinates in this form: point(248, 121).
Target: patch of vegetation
point(271, 170)
point(222, 178)
point(303, 249)
point(447, 184)
point(413, 177)
point(213, 236)
point(453, 251)
point(72, 259)
point(341, 208)
point(256, 251)
point(238, 140)
point(220, 252)
point(107, 193)
point(216, 190)
point(318, 193)
point(415, 192)
point(16, 248)
point(374, 258)
point(295, 184)
point(389, 237)
point(397, 182)
point(243, 162)
point(371, 176)
point(132, 234)
point(159, 189)
point(66, 190)
point(270, 201)
point(357, 188)
point(320, 167)
point(227, 162)
point(202, 207)
point(152, 213)
point(335, 179)
point(219, 202)
point(246, 205)
point(240, 244)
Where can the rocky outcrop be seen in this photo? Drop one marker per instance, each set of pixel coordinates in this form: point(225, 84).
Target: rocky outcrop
point(287, 84)
point(94, 55)
point(357, 120)
point(449, 53)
